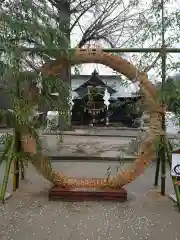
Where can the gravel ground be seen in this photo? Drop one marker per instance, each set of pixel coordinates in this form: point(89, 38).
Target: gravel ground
point(146, 215)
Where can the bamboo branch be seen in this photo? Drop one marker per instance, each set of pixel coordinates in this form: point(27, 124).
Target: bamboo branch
point(108, 50)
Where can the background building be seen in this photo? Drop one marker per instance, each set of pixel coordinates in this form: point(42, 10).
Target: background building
point(88, 92)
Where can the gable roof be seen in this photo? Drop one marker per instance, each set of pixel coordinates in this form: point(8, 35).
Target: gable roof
point(93, 81)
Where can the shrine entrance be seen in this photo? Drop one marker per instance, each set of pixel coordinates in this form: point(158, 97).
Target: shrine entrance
point(91, 107)
point(93, 110)
point(99, 104)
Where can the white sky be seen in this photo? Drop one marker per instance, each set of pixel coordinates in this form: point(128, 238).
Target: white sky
point(103, 70)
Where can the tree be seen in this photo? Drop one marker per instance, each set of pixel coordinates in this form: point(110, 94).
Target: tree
point(171, 94)
point(125, 24)
point(116, 23)
point(24, 25)
point(100, 20)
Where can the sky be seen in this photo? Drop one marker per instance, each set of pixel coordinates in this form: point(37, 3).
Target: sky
point(103, 70)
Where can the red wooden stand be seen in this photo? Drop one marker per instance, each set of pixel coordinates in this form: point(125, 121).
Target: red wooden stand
point(89, 194)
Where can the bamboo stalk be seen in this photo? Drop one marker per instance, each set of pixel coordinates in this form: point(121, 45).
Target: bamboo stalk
point(162, 151)
point(7, 170)
point(6, 150)
point(17, 146)
point(108, 50)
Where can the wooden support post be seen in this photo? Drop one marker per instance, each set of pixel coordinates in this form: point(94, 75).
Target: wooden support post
point(16, 175)
point(163, 169)
point(22, 170)
point(158, 163)
point(16, 162)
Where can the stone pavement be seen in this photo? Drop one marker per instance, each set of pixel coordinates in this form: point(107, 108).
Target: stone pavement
point(124, 132)
point(108, 132)
point(97, 146)
point(28, 214)
point(86, 145)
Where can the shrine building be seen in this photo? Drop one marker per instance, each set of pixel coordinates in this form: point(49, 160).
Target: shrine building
point(89, 99)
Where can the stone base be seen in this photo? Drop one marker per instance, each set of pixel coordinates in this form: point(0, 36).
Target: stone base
point(7, 194)
point(89, 194)
point(172, 196)
point(6, 197)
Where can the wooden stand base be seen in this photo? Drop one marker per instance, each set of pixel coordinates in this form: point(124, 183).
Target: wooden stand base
point(89, 194)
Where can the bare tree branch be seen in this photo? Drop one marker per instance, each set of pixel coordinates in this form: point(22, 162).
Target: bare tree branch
point(80, 15)
point(149, 67)
point(108, 20)
point(119, 23)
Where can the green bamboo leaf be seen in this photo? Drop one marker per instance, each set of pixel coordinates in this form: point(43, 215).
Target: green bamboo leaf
point(7, 170)
point(7, 144)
